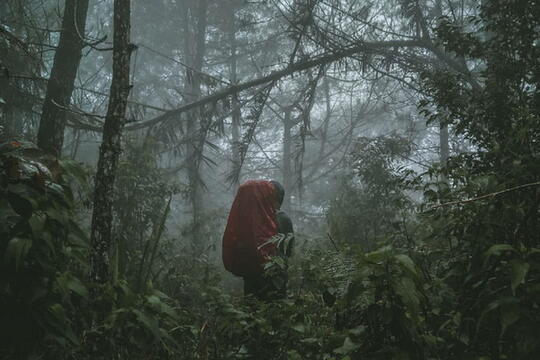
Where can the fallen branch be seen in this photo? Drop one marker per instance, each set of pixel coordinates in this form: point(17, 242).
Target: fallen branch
point(372, 47)
point(279, 74)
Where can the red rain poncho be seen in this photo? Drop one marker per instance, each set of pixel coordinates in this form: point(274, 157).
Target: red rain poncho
point(252, 222)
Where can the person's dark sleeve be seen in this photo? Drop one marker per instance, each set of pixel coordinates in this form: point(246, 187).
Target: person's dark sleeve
point(284, 223)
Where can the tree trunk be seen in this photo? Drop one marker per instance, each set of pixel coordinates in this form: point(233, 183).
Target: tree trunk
point(195, 48)
point(111, 147)
point(237, 114)
point(76, 143)
point(327, 116)
point(287, 176)
point(444, 149)
point(8, 123)
point(63, 74)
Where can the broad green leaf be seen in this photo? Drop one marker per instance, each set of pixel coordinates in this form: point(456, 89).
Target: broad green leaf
point(149, 322)
point(407, 263)
point(299, 328)
point(431, 339)
point(58, 215)
point(75, 170)
point(519, 272)
point(161, 295)
point(243, 350)
point(17, 249)
point(379, 255)
point(348, 347)
point(357, 331)
point(160, 306)
point(21, 204)
point(61, 324)
point(6, 211)
point(499, 303)
point(406, 289)
point(8, 217)
point(69, 283)
point(293, 355)
point(497, 249)
point(354, 289)
point(77, 235)
point(509, 315)
point(37, 224)
point(59, 192)
point(310, 341)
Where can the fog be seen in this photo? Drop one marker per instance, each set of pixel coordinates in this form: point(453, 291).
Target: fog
point(403, 132)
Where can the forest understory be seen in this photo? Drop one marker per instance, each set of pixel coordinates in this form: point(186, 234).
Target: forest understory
point(405, 133)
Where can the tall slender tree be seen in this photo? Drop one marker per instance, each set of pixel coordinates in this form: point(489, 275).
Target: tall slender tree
point(62, 79)
point(195, 49)
point(287, 157)
point(237, 113)
point(111, 146)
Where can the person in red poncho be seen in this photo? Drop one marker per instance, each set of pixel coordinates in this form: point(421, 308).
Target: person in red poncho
point(257, 231)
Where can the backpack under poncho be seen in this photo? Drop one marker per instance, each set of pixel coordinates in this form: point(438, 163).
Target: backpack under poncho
point(252, 222)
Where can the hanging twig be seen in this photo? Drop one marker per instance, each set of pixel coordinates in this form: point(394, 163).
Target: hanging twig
point(459, 202)
point(332, 241)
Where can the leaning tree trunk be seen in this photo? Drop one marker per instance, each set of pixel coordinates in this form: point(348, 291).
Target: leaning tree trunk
point(62, 79)
point(110, 146)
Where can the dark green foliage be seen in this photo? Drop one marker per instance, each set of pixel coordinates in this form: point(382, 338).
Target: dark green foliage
point(135, 325)
point(384, 308)
point(491, 243)
point(479, 258)
point(141, 207)
point(44, 296)
point(39, 243)
point(372, 200)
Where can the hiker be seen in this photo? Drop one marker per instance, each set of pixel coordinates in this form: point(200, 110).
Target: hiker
point(258, 231)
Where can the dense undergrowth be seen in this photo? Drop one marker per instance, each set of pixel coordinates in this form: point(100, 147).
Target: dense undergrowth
point(441, 298)
point(412, 270)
